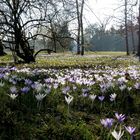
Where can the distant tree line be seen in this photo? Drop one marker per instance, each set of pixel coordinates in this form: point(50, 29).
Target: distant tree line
point(113, 39)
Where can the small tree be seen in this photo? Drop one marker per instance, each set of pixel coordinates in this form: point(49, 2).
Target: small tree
point(60, 36)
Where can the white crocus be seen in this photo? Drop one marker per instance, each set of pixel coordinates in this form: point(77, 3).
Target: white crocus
point(117, 135)
point(92, 97)
point(129, 88)
point(1, 84)
point(68, 99)
point(123, 87)
point(47, 91)
point(13, 96)
point(38, 86)
point(113, 97)
point(40, 97)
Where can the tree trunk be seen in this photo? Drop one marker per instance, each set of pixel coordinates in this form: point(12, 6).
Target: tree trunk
point(2, 53)
point(138, 49)
point(133, 40)
point(79, 27)
point(126, 30)
point(82, 30)
point(22, 48)
point(132, 33)
point(28, 54)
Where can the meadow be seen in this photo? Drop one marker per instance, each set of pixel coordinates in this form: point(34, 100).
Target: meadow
point(70, 97)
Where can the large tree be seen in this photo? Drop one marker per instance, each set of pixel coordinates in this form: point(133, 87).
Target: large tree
point(80, 30)
point(21, 21)
point(18, 18)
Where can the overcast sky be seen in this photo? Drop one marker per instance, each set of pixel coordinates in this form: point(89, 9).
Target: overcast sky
point(102, 9)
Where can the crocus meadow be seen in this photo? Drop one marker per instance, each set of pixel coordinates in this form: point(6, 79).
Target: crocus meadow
point(84, 103)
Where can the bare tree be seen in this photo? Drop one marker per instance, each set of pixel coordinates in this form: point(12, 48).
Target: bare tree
point(126, 30)
point(80, 30)
point(18, 18)
point(132, 33)
point(79, 26)
point(13, 25)
point(138, 49)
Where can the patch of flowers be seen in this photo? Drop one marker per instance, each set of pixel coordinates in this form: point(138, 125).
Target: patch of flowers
point(93, 90)
point(117, 127)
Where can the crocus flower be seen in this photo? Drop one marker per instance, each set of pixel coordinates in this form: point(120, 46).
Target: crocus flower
point(129, 88)
point(84, 95)
point(101, 98)
point(25, 89)
point(122, 87)
point(108, 122)
point(13, 68)
point(55, 85)
point(84, 90)
point(14, 82)
point(13, 96)
point(117, 135)
point(28, 82)
point(38, 86)
point(33, 85)
point(113, 97)
point(1, 75)
point(1, 84)
point(68, 99)
point(40, 97)
point(47, 91)
point(120, 117)
point(130, 129)
point(65, 90)
point(103, 88)
point(92, 97)
point(122, 80)
point(13, 89)
point(137, 85)
point(74, 87)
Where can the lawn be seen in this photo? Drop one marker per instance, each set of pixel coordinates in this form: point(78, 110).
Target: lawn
point(70, 97)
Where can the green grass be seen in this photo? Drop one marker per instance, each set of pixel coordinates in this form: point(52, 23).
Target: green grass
point(110, 53)
point(6, 59)
point(90, 59)
point(24, 119)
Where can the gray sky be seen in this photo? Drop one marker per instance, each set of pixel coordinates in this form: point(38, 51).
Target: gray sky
point(103, 9)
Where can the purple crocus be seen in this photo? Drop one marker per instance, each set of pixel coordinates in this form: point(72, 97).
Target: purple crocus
point(101, 98)
point(84, 95)
point(137, 85)
point(33, 85)
point(13, 68)
point(120, 117)
point(1, 75)
point(130, 129)
point(28, 82)
point(84, 90)
point(65, 89)
point(107, 123)
point(25, 89)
